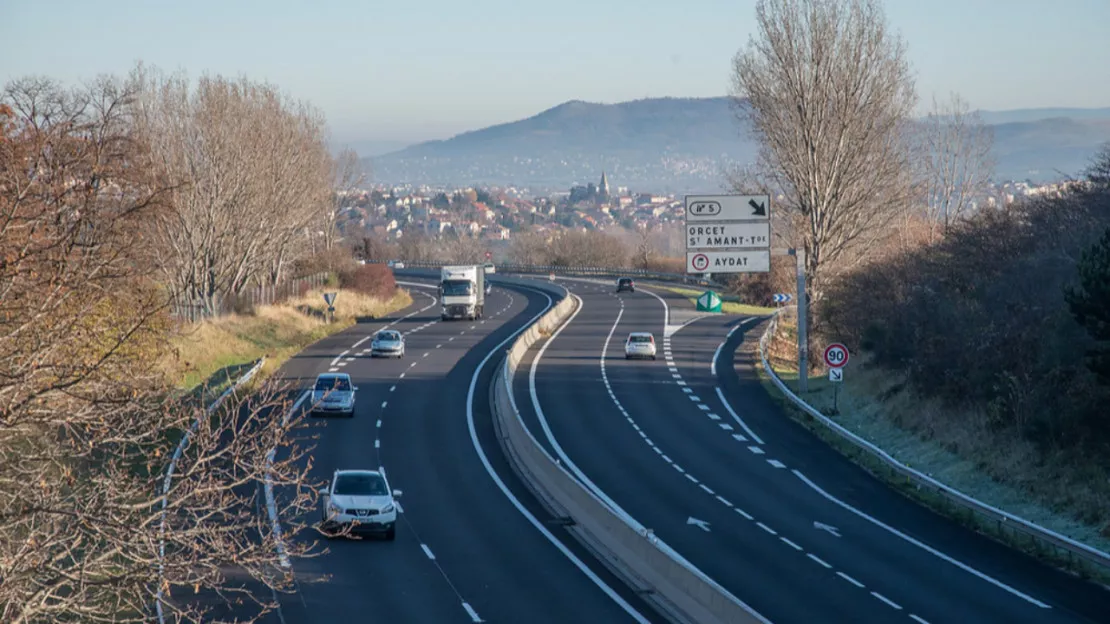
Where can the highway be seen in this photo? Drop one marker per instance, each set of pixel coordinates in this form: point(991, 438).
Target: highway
point(472, 544)
point(750, 497)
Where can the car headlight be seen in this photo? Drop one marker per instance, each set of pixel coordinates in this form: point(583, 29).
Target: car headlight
point(333, 508)
point(388, 509)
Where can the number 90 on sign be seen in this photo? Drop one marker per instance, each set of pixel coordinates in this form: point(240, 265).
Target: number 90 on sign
point(836, 355)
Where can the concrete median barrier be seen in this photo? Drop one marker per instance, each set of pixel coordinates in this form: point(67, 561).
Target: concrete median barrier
point(677, 588)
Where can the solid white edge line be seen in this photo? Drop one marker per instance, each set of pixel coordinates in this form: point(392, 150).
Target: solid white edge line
point(268, 489)
point(739, 421)
point(601, 584)
point(919, 544)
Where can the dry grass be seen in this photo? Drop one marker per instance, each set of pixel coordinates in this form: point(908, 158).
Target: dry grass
point(727, 307)
point(204, 349)
point(1059, 492)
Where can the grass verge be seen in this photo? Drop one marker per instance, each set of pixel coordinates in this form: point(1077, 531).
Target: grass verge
point(727, 307)
point(207, 356)
point(1058, 493)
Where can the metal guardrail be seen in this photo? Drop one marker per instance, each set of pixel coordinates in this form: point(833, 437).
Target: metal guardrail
point(677, 586)
point(1002, 519)
point(166, 482)
point(579, 270)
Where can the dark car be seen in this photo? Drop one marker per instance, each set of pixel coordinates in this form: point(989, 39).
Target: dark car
point(626, 283)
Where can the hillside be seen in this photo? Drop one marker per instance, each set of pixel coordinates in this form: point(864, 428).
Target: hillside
point(686, 144)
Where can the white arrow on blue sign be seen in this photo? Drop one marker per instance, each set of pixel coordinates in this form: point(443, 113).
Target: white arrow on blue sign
point(782, 298)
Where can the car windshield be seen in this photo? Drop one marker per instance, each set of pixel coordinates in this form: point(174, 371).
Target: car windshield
point(360, 484)
point(333, 383)
point(639, 339)
point(389, 336)
point(625, 281)
point(457, 288)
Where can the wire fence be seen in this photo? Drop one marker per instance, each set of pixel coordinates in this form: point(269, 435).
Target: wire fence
point(247, 299)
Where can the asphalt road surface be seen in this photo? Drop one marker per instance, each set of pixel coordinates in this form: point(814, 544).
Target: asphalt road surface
point(753, 499)
point(472, 544)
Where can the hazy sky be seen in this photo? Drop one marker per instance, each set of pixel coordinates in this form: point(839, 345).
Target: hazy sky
point(423, 69)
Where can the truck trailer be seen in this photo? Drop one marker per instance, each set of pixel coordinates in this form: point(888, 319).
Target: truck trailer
point(462, 292)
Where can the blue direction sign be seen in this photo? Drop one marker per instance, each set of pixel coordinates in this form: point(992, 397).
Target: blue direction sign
point(782, 298)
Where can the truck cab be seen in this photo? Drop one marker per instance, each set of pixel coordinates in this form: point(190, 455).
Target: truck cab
point(462, 292)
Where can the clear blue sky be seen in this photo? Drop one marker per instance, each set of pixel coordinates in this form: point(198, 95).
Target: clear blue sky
point(422, 69)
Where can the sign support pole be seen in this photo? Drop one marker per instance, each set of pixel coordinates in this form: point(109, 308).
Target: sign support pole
point(803, 339)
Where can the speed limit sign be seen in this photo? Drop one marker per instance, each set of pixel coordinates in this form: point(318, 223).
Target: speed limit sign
point(836, 355)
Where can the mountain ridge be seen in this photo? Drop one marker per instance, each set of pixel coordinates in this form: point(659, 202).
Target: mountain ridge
point(683, 144)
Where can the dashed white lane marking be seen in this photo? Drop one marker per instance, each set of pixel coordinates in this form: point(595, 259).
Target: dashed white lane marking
point(401, 376)
point(713, 416)
point(917, 619)
point(747, 516)
point(341, 364)
point(666, 459)
point(428, 551)
point(681, 383)
point(471, 612)
point(776, 463)
point(691, 477)
point(849, 579)
point(790, 543)
point(392, 388)
point(724, 501)
point(888, 601)
point(472, 327)
point(350, 359)
point(379, 425)
point(919, 544)
point(439, 345)
point(707, 490)
point(425, 355)
point(413, 364)
point(726, 426)
point(384, 403)
point(766, 528)
point(739, 438)
point(703, 407)
point(450, 339)
point(333, 370)
point(688, 391)
point(377, 443)
point(756, 450)
point(818, 560)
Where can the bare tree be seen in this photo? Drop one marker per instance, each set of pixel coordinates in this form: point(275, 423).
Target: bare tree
point(956, 162)
point(347, 175)
point(85, 426)
point(529, 248)
point(250, 171)
point(827, 90)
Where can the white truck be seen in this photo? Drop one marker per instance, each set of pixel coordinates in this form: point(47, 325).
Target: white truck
point(462, 292)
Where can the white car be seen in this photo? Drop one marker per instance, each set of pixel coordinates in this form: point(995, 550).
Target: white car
point(388, 343)
point(639, 345)
point(490, 268)
point(398, 265)
point(333, 393)
point(359, 501)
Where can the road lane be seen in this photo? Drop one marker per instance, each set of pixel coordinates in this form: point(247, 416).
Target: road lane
point(995, 574)
point(462, 552)
point(634, 464)
point(718, 459)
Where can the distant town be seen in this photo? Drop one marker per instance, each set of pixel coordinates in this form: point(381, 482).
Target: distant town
point(495, 214)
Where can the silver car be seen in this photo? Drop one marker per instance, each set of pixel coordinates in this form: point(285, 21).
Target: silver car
point(333, 394)
point(388, 343)
point(639, 345)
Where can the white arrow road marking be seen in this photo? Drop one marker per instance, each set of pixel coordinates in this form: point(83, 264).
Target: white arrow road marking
point(701, 524)
point(825, 527)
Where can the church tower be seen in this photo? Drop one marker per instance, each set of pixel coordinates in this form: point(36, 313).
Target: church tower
point(603, 189)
